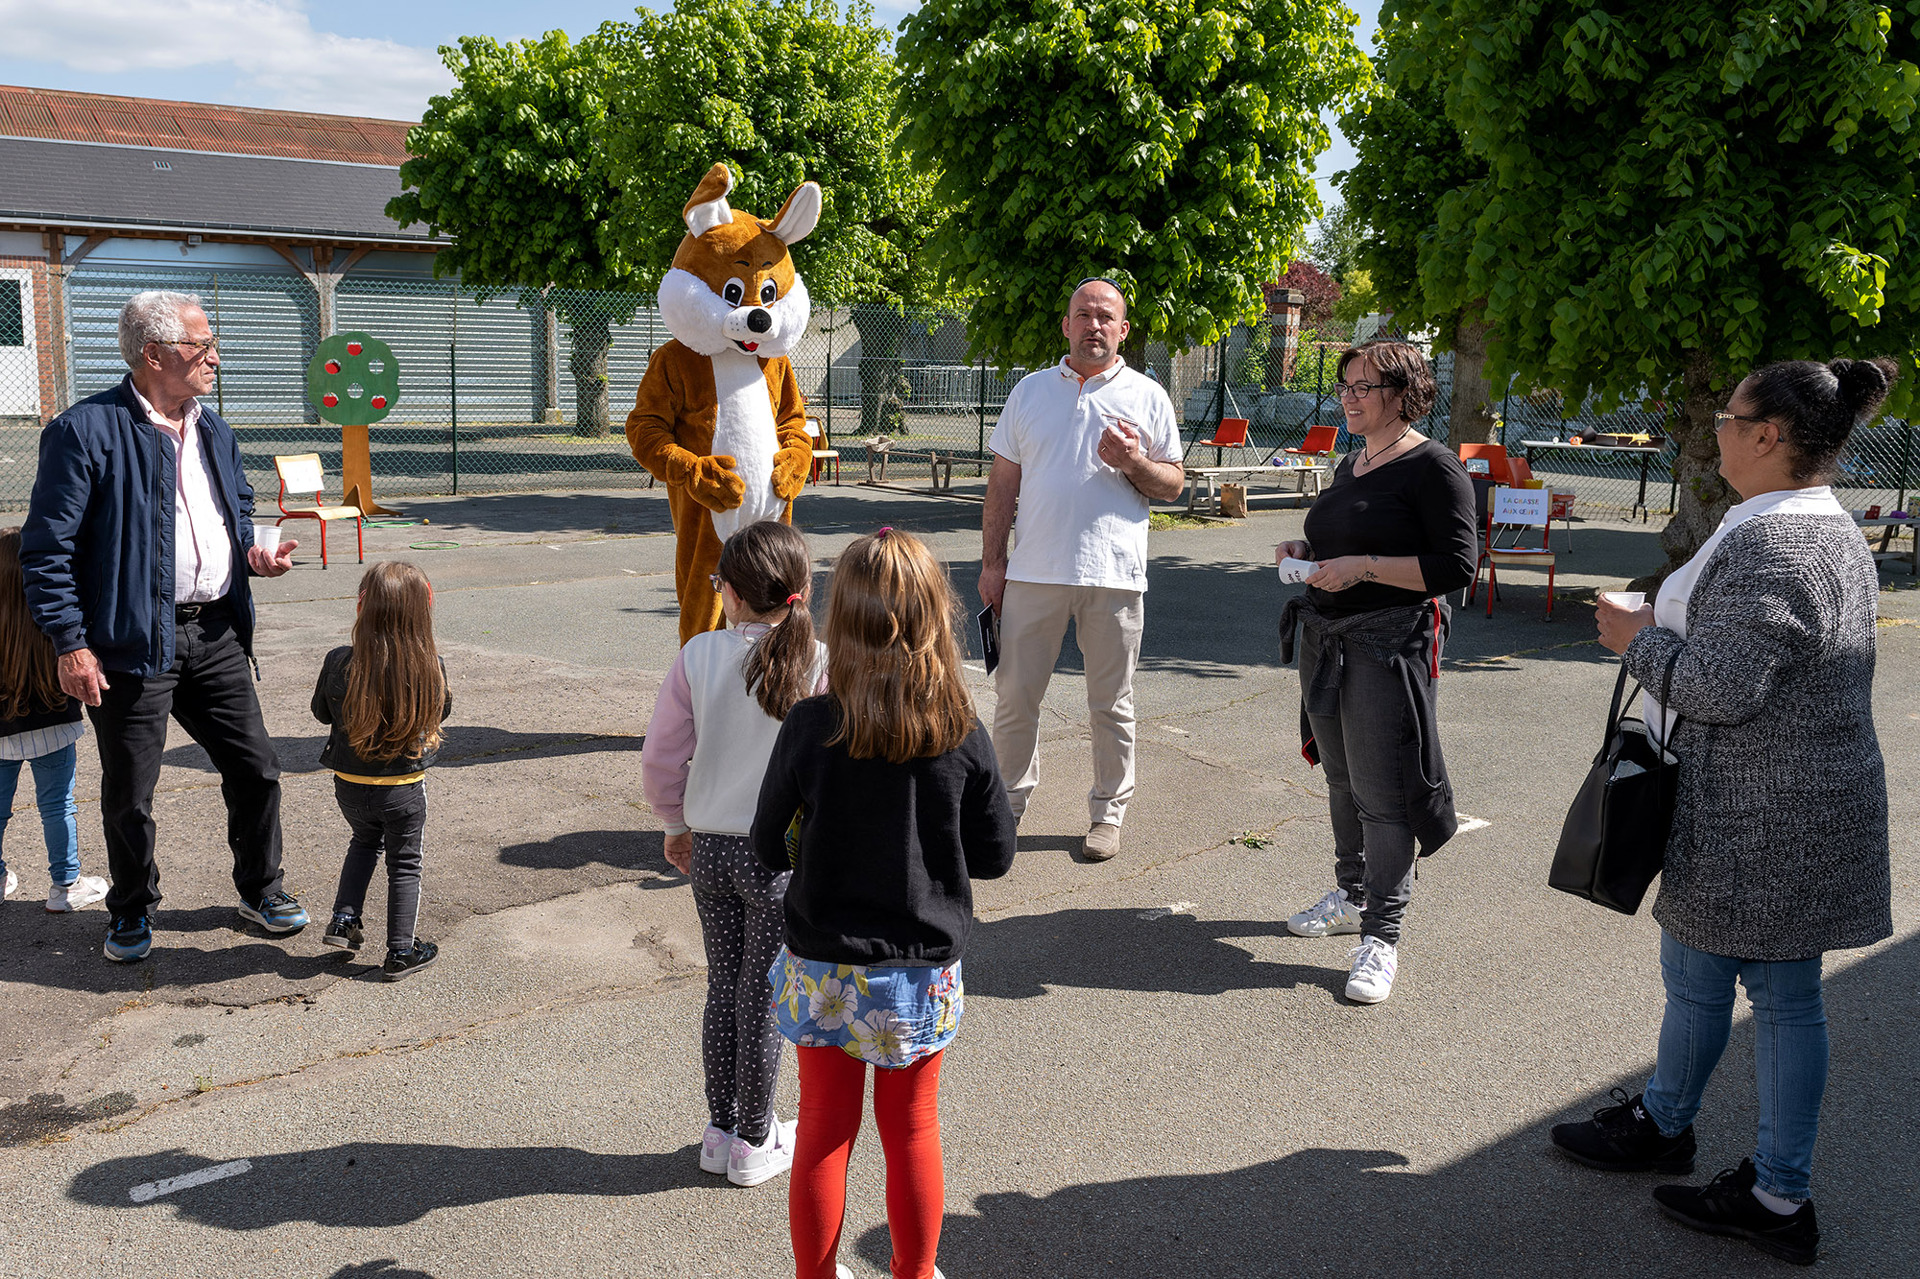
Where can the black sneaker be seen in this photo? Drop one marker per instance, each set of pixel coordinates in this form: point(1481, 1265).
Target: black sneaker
point(278, 913)
point(344, 932)
point(129, 938)
point(1622, 1138)
point(1726, 1206)
point(405, 963)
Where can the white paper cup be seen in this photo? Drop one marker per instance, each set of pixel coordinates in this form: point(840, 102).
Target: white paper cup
point(1629, 600)
point(267, 537)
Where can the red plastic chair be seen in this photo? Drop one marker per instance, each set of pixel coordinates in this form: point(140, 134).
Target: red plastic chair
point(1496, 458)
point(1230, 434)
point(1319, 442)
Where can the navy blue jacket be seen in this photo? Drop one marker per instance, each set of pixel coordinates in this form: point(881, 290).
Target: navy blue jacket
point(97, 547)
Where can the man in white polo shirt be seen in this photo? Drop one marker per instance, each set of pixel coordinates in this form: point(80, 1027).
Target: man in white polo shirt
point(1081, 447)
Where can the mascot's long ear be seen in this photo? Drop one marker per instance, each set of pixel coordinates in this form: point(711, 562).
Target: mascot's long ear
point(707, 206)
point(799, 215)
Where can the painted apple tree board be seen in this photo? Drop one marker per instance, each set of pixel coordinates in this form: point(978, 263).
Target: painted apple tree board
point(353, 381)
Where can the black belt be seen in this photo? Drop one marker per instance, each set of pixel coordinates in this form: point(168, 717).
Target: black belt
point(194, 612)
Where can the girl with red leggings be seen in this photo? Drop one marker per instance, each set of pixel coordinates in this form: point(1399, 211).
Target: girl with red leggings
point(884, 798)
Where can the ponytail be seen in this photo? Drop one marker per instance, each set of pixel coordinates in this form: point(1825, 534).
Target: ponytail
point(767, 566)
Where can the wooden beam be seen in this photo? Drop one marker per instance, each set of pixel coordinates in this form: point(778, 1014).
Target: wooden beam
point(311, 275)
point(91, 243)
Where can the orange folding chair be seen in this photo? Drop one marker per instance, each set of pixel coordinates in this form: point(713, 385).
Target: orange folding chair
point(1230, 434)
point(300, 473)
point(1495, 456)
point(1560, 502)
point(1522, 508)
point(1319, 442)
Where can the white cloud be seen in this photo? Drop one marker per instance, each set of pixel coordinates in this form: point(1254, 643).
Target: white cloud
point(274, 54)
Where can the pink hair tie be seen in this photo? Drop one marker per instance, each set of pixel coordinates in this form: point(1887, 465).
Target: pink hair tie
point(794, 598)
point(884, 530)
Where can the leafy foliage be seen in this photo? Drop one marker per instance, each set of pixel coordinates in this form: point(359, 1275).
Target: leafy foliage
point(1335, 245)
point(1357, 301)
point(783, 92)
point(1165, 144)
point(1675, 193)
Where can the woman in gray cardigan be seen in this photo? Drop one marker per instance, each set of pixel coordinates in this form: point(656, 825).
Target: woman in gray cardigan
point(1776, 856)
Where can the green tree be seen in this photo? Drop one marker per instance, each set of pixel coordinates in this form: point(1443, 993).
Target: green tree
point(507, 165)
point(1334, 246)
point(1676, 193)
point(1166, 145)
point(783, 92)
point(1408, 156)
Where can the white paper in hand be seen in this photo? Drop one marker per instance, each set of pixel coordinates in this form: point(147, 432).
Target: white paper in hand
point(1295, 571)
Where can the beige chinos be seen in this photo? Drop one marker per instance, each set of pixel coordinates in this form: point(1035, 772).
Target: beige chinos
point(1033, 624)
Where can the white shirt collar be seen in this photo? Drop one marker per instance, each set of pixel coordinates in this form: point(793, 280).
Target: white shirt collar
point(1067, 370)
point(146, 406)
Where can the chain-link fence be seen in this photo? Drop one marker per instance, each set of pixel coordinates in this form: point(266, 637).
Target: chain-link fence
point(528, 389)
point(1282, 388)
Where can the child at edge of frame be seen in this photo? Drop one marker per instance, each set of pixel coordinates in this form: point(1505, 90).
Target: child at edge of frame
point(719, 709)
point(39, 726)
point(384, 697)
point(900, 807)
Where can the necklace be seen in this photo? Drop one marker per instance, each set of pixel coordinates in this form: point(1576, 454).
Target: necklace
point(1368, 456)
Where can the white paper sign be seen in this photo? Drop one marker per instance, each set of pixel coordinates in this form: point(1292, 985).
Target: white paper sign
point(1295, 571)
point(1521, 506)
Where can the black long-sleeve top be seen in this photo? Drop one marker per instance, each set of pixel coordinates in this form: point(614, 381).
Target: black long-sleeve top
point(887, 852)
point(1420, 504)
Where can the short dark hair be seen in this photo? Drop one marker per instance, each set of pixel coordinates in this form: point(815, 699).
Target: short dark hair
point(1817, 405)
point(1403, 367)
point(1111, 283)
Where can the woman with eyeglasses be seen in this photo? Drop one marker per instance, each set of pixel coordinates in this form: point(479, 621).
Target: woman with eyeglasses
point(1392, 535)
point(1779, 847)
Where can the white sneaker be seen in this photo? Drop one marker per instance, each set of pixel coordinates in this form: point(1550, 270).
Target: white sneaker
point(84, 891)
point(1330, 915)
point(13, 882)
point(713, 1150)
point(751, 1165)
point(1374, 962)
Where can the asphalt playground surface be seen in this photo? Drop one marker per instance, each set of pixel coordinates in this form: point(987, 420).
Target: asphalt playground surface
point(1152, 1077)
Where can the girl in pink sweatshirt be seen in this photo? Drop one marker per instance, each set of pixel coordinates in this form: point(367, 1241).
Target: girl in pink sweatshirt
point(713, 726)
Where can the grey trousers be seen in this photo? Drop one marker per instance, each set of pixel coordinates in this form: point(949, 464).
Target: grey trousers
point(742, 922)
point(392, 819)
point(1359, 748)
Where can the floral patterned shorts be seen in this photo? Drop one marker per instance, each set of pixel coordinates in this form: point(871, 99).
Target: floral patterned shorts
point(889, 1017)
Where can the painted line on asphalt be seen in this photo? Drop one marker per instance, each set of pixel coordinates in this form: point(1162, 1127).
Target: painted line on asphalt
point(219, 1172)
point(1468, 823)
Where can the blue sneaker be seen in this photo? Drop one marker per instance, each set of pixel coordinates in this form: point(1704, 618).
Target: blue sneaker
point(277, 913)
point(129, 938)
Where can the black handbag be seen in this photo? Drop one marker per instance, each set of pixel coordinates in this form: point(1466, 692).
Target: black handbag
point(1615, 837)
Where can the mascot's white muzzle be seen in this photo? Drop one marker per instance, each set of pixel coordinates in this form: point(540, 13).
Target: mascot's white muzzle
point(703, 320)
point(749, 326)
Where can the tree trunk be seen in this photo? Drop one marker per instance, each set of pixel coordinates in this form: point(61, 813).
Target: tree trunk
point(1703, 496)
point(592, 339)
point(882, 401)
point(1470, 419)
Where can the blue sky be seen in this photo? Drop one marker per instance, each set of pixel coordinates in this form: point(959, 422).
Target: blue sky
point(356, 57)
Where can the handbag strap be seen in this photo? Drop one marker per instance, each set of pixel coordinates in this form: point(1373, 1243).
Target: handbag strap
point(1667, 713)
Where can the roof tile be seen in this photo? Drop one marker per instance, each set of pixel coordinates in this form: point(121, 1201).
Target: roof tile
point(96, 117)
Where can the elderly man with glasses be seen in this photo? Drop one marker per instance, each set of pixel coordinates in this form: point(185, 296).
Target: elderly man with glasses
point(136, 552)
point(1081, 447)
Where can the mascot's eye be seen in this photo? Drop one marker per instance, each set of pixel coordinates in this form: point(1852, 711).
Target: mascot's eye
point(734, 292)
point(769, 293)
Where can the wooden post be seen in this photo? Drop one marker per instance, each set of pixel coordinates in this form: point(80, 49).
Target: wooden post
point(356, 472)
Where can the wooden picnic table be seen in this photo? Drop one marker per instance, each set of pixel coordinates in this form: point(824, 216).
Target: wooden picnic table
point(1211, 476)
point(1891, 525)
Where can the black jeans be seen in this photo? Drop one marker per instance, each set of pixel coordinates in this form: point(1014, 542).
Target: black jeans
point(1360, 749)
point(393, 818)
point(210, 691)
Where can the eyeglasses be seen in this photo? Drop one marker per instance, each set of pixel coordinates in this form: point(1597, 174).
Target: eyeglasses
point(1360, 390)
point(1724, 416)
point(713, 579)
point(205, 347)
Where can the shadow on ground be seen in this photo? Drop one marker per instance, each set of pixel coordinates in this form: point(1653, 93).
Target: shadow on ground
point(461, 746)
point(620, 849)
point(383, 1184)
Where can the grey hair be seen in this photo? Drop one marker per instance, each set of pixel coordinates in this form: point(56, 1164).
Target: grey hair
point(153, 316)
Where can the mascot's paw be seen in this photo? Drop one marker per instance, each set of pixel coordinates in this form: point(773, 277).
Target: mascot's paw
point(790, 470)
point(711, 481)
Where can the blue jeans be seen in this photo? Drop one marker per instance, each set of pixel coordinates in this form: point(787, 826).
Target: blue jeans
point(1789, 1052)
point(53, 791)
